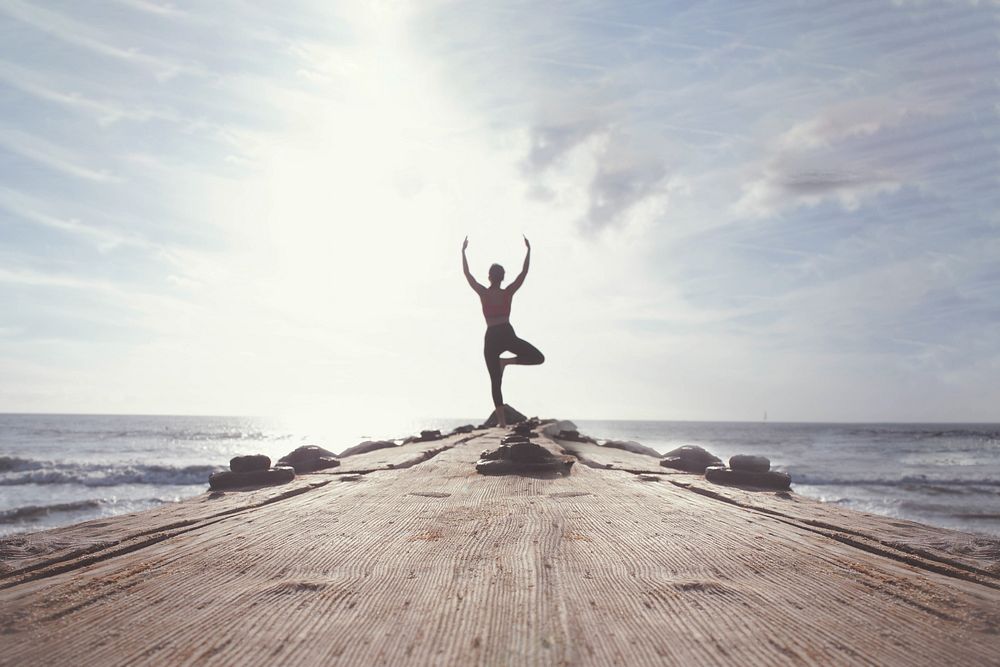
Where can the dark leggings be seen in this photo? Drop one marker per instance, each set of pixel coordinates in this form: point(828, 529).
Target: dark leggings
point(501, 338)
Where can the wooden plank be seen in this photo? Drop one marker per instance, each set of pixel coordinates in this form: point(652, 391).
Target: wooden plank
point(51, 549)
point(434, 564)
point(28, 552)
point(977, 553)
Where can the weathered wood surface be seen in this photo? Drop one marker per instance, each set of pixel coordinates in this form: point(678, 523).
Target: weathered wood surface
point(434, 564)
point(952, 549)
point(59, 549)
point(979, 555)
point(62, 548)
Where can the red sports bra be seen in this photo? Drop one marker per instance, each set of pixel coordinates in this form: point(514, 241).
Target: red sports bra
point(496, 305)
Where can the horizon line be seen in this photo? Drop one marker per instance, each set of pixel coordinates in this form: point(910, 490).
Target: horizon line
point(582, 419)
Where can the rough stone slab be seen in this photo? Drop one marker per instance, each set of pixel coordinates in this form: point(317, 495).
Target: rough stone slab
point(597, 456)
point(403, 456)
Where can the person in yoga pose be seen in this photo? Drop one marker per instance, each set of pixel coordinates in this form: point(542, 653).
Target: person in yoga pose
point(500, 336)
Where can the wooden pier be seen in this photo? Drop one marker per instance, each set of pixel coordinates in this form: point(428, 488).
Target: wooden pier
point(408, 556)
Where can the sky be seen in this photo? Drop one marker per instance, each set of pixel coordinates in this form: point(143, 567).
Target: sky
point(734, 207)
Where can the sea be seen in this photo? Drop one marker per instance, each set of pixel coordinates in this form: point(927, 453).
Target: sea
point(61, 469)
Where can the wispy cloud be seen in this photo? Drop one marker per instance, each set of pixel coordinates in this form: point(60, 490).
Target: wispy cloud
point(783, 185)
point(43, 87)
point(157, 8)
point(30, 209)
point(50, 155)
point(36, 278)
point(83, 35)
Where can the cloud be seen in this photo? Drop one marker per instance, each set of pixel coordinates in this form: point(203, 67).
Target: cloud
point(622, 173)
point(585, 141)
point(779, 188)
point(846, 152)
point(156, 8)
point(33, 210)
point(860, 118)
point(48, 89)
point(552, 141)
point(824, 182)
point(626, 176)
point(83, 35)
point(53, 156)
point(23, 276)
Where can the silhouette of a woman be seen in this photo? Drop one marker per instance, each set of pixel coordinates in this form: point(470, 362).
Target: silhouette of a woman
point(500, 336)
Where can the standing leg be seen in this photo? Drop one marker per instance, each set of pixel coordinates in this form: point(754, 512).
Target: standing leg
point(491, 351)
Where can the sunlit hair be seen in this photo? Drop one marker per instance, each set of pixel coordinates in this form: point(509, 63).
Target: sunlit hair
point(496, 273)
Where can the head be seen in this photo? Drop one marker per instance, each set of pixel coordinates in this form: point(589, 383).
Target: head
point(496, 274)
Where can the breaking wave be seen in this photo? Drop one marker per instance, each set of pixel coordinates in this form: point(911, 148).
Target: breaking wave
point(14, 463)
point(35, 512)
point(925, 433)
point(905, 480)
point(15, 471)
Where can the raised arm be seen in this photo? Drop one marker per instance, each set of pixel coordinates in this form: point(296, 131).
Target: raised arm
point(516, 285)
point(468, 274)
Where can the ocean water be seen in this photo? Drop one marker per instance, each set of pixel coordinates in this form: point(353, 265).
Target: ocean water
point(945, 475)
point(60, 469)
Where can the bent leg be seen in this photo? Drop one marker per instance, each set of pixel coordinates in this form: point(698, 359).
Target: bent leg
point(526, 353)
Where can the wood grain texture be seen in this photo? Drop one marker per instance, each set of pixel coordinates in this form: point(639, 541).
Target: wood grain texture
point(52, 550)
point(977, 554)
point(434, 564)
point(952, 548)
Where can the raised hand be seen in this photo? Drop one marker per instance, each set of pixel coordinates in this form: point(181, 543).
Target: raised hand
point(526, 244)
point(465, 243)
